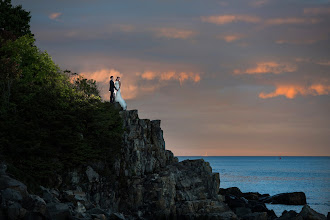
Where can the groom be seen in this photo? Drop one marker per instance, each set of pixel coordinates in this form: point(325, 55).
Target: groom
point(112, 90)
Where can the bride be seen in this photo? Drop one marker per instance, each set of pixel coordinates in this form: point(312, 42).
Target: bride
point(118, 94)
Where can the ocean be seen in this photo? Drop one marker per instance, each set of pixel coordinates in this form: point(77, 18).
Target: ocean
point(274, 175)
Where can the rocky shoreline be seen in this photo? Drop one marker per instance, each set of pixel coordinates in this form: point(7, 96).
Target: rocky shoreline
point(145, 182)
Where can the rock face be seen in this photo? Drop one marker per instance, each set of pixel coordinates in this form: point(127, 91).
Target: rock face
point(145, 182)
point(158, 185)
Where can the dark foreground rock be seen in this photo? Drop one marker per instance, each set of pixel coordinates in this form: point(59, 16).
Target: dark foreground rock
point(306, 213)
point(246, 205)
point(294, 198)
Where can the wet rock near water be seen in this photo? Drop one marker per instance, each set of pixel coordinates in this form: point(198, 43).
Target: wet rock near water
point(294, 198)
point(246, 205)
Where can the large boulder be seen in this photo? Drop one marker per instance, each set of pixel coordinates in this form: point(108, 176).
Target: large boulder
point(58, 211)
point(294, 198)
point(235, 191)
point(307, 213)
point(7, 182)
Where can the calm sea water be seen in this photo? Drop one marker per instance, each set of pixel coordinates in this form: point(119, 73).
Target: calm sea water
point(273, 175)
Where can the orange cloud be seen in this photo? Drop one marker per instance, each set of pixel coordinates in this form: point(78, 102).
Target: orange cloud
point(291, 91)
point(174, 33)
point(280, 21)
point(316, 11)
point(230, 38)
point(148, 75)
point(268, 67)
point(231, 18)
point(307, 41)
point(55, 16)
point(225, 19)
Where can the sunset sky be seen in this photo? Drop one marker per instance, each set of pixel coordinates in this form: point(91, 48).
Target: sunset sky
point(230, 77)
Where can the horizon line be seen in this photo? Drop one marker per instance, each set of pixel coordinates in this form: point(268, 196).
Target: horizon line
point(253, 156)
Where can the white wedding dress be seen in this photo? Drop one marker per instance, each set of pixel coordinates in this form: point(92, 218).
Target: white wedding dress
point(118, 97)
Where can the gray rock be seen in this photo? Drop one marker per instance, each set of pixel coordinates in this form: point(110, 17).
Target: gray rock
point(50, 195)
point(80, 209)
point(117, 216)
point(255, 216)
point(58, 211)
point(8, 182)
point(241, 211)
point(11, 195)
point(92, 175)
point(3, 169)
point(235, 191)
point(288, 215)
point(14, 211)
point(307, 213)
point(35, 204)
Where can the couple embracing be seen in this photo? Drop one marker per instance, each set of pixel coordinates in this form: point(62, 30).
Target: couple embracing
point(115, 94)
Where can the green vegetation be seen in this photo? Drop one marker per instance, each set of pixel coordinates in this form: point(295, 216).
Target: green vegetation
point(50, 120)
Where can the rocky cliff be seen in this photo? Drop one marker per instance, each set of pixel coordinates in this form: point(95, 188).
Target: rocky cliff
point(145, 182)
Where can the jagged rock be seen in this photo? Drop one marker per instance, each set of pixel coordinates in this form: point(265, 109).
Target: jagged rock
point(235, 191)
point(80, 210)
point(58, 211)
point(307, 213)
point(92, 175)
point(294, 198)
point(35, 204)
point(8, 182)
point(11, 195)
point(50, 195)
point(241, 211)
point(3, 169)
point(14, 211)
point(254, 195)
point(255, 216)
point(117, 216)
point(288, 215)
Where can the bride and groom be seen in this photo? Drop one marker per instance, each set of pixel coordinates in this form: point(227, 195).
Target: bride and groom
point(115, 94)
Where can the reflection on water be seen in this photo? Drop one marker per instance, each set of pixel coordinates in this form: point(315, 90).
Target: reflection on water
point(272, 175)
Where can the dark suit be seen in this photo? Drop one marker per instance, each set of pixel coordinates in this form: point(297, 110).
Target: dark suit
point(112, 89)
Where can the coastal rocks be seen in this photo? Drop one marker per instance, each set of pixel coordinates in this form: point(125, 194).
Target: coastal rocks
point(17, 203)
point(309, 214)
point(294, 198)
point(306, 213)
point(246, 205)
point(145, 182)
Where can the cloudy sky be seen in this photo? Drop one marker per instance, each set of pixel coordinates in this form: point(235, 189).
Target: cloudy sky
point(230, 77)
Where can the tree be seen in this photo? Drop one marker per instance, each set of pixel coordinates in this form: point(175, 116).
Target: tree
point(21, 60)
point(14, 18)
